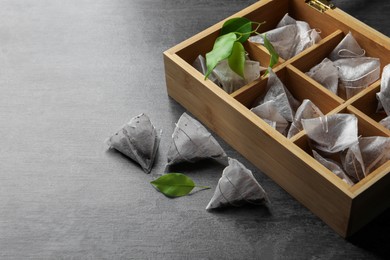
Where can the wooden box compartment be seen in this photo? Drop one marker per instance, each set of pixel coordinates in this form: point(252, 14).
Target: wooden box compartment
point(289, 161)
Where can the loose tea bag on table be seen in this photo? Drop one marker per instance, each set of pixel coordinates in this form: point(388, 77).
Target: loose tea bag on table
point(347, 48)
point(366, 156)
point(139, 140)
point(384, 95)
point(237, 187)
point(385, 122)
point(355, 74)
point(306, 110)
point(285, 103)
point(331, 133)
point(192, 142)
point(326, 74)
point(334, 167)
point(290, 37)
point(268, 111)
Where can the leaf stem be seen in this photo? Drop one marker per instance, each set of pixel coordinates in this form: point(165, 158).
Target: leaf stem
point(203, 187)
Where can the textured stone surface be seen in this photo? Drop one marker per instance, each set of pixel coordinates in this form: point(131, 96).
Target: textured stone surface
point(71, 73)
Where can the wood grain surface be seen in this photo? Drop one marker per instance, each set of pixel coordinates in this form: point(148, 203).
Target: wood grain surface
point(71, 73)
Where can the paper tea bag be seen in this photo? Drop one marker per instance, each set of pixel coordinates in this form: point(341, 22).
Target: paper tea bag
point(290, 37)
point(347, 48)
point(200, 65)
point(385, 122)
point(192, 142)
point(332, 133)
point(333, 167)
point(384, 95)
point(306, 110)
point(355, 74)
point(326, 74)
point(231, 81)
point(366, 156)
point(268, 111)
point(139, 140)
point(283, 99)
point(237, 187)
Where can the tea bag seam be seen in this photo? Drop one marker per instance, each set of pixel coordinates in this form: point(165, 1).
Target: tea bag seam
point(183, 157)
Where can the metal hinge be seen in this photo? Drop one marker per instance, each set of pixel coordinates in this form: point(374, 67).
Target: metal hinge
point(320, 5)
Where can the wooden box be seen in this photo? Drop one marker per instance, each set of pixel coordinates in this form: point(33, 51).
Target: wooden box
point(288, 161)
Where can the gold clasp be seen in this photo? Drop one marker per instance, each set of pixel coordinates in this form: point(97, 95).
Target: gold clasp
point(320, 5)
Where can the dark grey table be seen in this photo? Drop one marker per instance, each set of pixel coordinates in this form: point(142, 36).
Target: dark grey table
point(71, 73)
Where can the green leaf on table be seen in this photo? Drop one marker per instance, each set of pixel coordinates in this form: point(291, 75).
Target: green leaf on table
point(175, 184)
point(239, 25)
point(222, 49)
point(274, 55)
point(237, 59)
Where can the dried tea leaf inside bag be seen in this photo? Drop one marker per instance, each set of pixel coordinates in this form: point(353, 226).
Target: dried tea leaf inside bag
point(347, 48)
point(201, 66)
point(268, 111)
point(284, 101)
point(334, 167)
point(326, 74)
point(139, 140)
point(355, 74)
point(306, 110)
point(237, 187)
point(332, 133)
point(384, 95)
point(290, 37)
point(385, 122)
point(192, 142)
point(231, 81)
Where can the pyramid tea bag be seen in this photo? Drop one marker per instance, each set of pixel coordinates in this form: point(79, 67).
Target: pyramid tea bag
point(333, 167)
point(306, 110)
point(200, 65)
point(355, 74)
point(231, 81)
point(283, 99)
point(290, 37)
point(347, 48)
point(385, 122)
point(326, 74)
point(331, 133)
point(268, 111)
point(384, 95)
point(237, 187)
point(352, 161)
point(139, 140)
point(192, 142)
point(366, 156)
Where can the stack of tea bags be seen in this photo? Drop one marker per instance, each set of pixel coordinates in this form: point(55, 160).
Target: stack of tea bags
point(281, 110)
point(225, 77)
point(347, 70)
point(384, 96)
point(290, 37)
point(336, 136)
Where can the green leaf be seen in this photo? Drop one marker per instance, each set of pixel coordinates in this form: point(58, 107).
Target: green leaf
point(274, 55)
point(222, 49)
point(175, 184)
point(239, 25)
point(237, 59)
